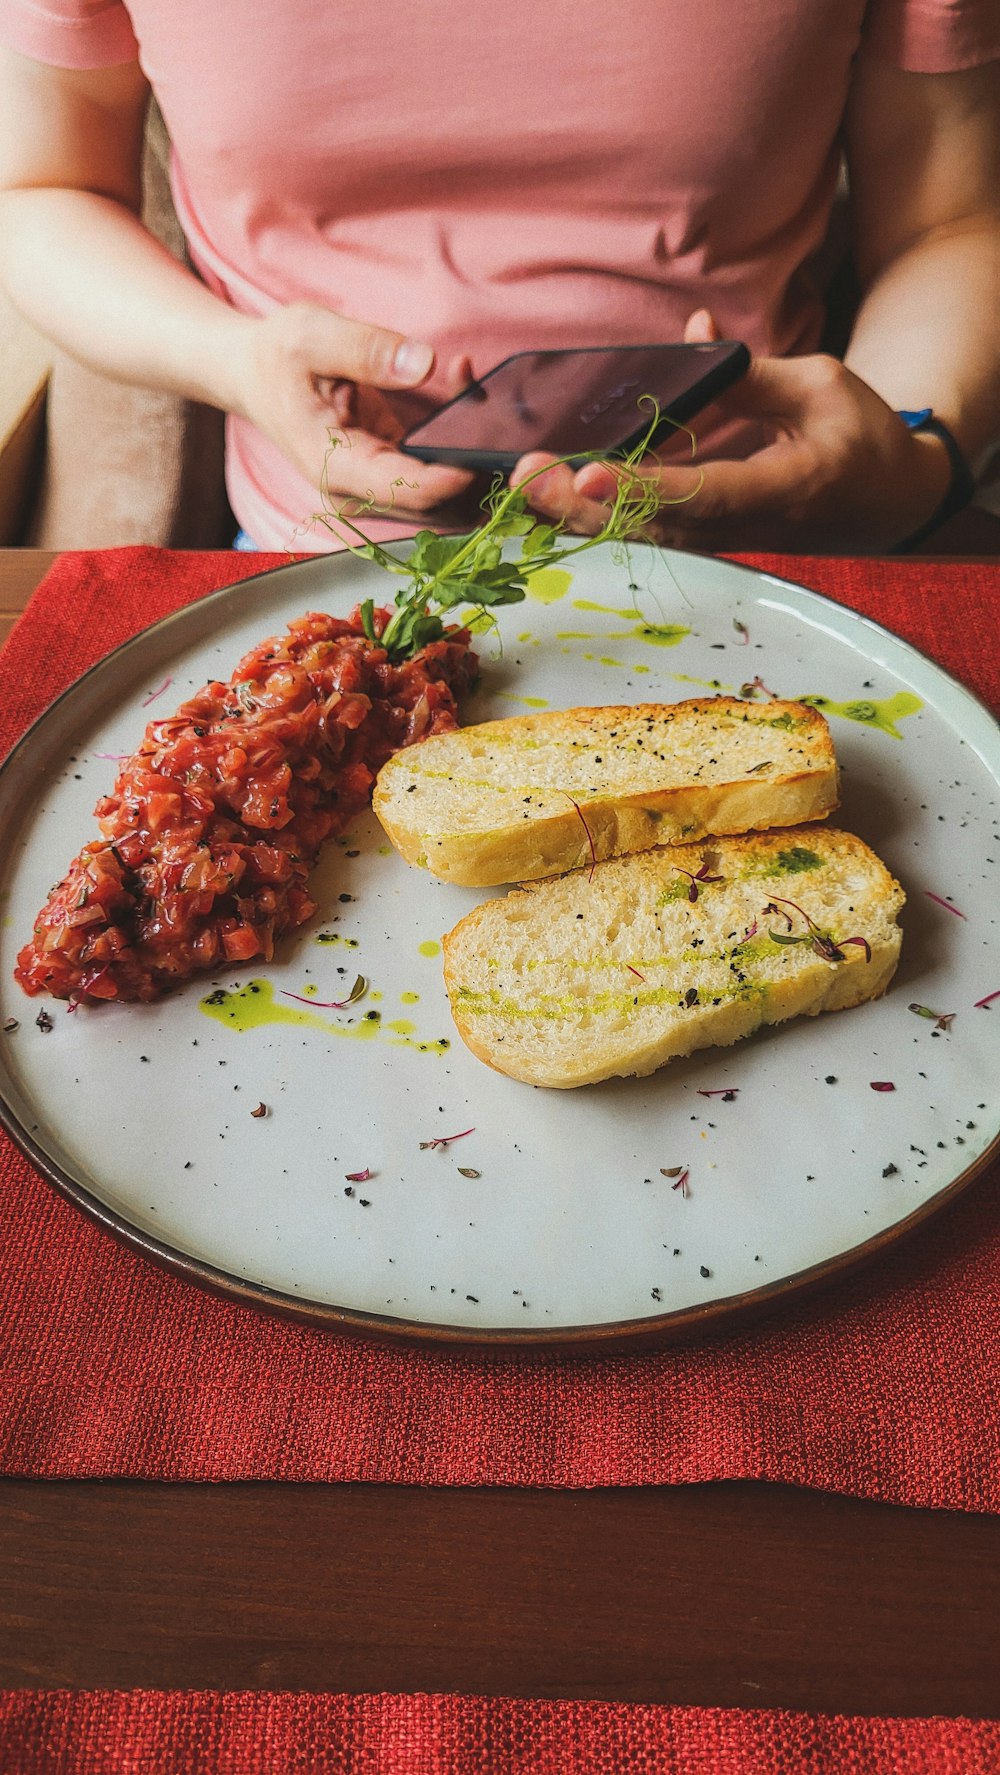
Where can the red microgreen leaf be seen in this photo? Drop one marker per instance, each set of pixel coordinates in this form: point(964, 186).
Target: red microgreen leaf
point(590, 841)
point(358, 1176)
point(882, 1085)
point(983, 1004)
point(773, 905)
point(331, 1004)
point(862, 942)
point(151, 698)
point(940, 1019)
point(945, 903)
point(444, 1139)
point(702, 876)
point(825, 946)
point(682, 1182)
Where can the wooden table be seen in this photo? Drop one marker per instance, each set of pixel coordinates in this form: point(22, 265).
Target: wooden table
point(743, 1595)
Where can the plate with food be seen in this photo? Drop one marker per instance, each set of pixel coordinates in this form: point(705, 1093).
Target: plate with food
point(661, 985)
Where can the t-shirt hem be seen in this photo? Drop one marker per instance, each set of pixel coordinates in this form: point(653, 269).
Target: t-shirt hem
point(102, 39)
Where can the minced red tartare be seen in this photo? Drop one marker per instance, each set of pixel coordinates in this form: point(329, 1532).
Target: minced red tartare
point(216, 820)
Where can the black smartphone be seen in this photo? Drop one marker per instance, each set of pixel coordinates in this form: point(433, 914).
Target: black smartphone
point(575, 403)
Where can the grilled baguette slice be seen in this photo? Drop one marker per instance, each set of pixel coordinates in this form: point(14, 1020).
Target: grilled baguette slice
point(617, 970)
point(540, 794)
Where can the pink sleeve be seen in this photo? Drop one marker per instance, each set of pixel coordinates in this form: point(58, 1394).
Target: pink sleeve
point(934, 36)
point(69, 33)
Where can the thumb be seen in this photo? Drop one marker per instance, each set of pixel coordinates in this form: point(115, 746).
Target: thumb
point(334, 346)
point(701, 328)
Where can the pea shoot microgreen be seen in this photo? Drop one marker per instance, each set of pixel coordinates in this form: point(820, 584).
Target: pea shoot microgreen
point(441, 573)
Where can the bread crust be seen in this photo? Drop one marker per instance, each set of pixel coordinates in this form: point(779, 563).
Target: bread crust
point(600, 1008)
point(446, 806)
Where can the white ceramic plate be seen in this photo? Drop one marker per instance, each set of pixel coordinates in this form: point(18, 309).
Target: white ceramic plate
point(569, 1232)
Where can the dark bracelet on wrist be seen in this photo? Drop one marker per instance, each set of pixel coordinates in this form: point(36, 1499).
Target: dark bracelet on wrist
point(961, 487)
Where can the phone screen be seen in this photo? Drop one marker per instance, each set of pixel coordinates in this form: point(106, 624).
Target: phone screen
point(574, 402)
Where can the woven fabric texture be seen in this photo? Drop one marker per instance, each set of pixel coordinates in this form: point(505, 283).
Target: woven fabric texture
point(883, 1387)
point(148, 1732)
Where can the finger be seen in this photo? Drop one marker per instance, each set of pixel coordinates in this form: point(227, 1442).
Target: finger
point(549, 489)
point(338, 397)
point(701, 328)
point(349, 406)
point(458, 376)
point(361, 467)
point(336, 347)
point(773, 480)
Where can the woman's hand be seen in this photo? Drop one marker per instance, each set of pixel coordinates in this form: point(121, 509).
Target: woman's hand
point(840, 472)
point(303, 373)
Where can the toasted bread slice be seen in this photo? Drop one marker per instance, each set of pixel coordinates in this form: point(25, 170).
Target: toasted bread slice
point(616, 970)
point(541, 794)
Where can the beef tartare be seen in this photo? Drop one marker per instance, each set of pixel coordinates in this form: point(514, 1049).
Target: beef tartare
point(216, 820)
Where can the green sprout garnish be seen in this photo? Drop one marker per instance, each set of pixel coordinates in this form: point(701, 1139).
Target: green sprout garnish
point(442, 572)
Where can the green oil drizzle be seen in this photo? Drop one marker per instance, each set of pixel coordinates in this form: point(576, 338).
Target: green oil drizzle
point(553, 1007)
point(706, 683)
point(430, 949)
point(883, 715)
point(254, 1006)
point(531, 702)
point(655, 635)
point(795, 861)
point(549, 584)
point(607, 609)
point(334, 937)
point(476, 620)
point(409, 998)
point(573, 635)
point(605, 661)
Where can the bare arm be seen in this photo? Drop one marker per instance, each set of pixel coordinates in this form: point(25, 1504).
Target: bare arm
point(842, 470)
point(924, 163)
point(73, 254)
point(77, 261)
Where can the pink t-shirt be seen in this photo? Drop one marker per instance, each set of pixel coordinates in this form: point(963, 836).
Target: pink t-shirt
point(492, 179)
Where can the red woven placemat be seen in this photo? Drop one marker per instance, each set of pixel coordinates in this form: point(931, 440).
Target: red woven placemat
point(884, 1387)
point(150, 1732)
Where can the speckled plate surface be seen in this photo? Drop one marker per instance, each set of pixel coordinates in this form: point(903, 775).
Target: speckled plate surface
point(551, 1221)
